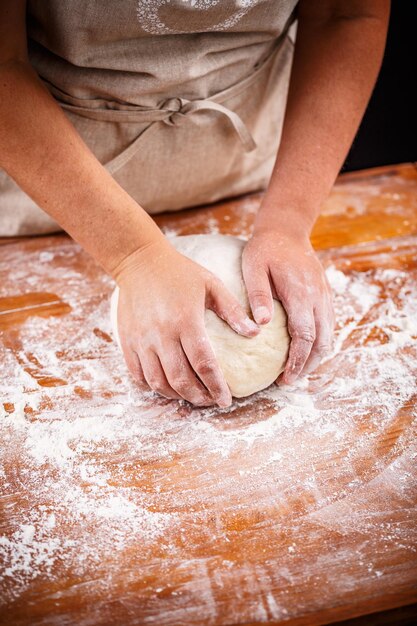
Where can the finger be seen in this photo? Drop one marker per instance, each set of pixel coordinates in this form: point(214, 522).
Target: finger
point(138, 372)
point(155, 376)
point(323, 342)
point(202, 359)
point(226, 306)
point(330, 303)
point(134, 365)
point(181, 377)
point(302, 330)
point(259, 293)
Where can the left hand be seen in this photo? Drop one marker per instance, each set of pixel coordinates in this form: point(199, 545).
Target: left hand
point(285, 267)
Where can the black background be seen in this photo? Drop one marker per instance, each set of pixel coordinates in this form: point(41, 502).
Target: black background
point(388, 133)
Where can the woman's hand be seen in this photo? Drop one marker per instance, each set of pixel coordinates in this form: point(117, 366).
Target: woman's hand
point(163, 297)
point(286, 267)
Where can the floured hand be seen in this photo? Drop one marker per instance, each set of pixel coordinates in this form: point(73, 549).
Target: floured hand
point(162, 301)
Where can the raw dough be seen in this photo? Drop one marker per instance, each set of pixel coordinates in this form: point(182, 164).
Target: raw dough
point(249, 365)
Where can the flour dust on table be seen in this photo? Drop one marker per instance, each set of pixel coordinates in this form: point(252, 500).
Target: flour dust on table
point(249, 364)
point(117, 501)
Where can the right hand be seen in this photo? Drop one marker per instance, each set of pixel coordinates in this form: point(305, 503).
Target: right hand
point(162, 300)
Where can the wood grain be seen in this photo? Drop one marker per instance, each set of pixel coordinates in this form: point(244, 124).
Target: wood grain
point(297, 506)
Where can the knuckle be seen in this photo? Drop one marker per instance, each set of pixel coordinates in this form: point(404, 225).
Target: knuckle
point(181, 385)
point(173, 369)
point(147, 345)
point(258, 294)
point(303, 334)
point(205, 366)
point(154, 383)
point(235, 310)
point(213, 282)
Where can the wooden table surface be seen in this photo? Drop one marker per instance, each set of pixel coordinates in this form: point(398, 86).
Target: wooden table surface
point(295, 506)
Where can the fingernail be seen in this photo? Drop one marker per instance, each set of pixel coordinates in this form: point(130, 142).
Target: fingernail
point(262, 315)
point(251, 326)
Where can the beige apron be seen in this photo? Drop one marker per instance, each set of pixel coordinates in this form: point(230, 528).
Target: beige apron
point(182, 101)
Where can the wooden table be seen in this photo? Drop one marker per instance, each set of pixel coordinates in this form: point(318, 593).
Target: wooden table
point(296, 506)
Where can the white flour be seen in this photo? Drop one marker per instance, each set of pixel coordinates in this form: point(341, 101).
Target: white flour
point(106, 469)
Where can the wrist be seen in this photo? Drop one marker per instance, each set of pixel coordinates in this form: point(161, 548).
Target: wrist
point(141, 258)
point(116, 244)
point(288, 221)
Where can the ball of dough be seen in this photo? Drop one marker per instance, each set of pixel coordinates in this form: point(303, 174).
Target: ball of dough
point(249, 364)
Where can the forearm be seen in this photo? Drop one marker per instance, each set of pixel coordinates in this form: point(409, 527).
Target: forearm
point(41, 150)
point(336, 62)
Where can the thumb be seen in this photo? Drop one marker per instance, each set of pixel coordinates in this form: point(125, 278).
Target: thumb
point(259, 293)
point(226, 306)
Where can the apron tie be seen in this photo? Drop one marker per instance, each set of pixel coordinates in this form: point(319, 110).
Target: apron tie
point(180, 108)
point(172, 111)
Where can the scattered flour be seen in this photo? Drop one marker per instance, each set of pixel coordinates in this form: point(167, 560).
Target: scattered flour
point(106, 469)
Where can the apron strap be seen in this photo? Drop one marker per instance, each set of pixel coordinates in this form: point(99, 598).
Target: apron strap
point(180, 108)
point(173, 112)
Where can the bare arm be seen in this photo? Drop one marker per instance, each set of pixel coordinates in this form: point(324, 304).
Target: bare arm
point(164, 343)
point(338, 53)
point(41, 150)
